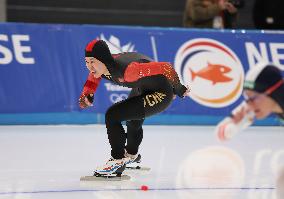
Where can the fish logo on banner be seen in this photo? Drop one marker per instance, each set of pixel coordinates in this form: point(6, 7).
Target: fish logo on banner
point(213, 71)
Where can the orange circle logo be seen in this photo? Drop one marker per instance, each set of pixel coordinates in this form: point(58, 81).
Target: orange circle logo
point(213, 71)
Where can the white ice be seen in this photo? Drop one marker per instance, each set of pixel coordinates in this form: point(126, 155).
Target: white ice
point(186, 162)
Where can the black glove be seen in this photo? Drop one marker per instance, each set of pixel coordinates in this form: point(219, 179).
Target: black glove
point(82, 100)
point(180, 90)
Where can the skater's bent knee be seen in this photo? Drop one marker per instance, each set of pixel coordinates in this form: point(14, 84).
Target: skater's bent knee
point(111, 116)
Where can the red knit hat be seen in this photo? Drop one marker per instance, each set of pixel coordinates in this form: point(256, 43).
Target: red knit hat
point(99, 50)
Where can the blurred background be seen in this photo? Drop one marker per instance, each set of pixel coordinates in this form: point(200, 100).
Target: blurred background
point(164, 13)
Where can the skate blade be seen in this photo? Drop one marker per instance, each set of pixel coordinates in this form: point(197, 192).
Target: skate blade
point(139, 168)
point(105, 178)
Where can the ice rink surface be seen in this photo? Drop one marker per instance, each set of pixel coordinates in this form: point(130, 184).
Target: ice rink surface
point(46, 162)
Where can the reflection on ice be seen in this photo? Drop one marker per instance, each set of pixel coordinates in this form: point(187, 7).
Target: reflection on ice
point(186, 162)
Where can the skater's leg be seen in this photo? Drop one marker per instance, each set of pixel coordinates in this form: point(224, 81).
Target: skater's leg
point(134, 135)
point(134, 129)
point(117, 113)
point(156, 96)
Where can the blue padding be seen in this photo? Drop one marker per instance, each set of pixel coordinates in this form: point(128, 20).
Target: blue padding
point(93, 118)
point(41, 80)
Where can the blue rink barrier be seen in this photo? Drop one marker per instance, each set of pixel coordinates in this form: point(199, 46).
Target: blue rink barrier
point(93, 118)
point(42, 70)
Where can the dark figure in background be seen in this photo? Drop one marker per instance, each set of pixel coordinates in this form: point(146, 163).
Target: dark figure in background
point(211, 13)
point(268, 14)
point(154, 85)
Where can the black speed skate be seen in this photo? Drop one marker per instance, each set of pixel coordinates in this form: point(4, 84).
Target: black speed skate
point(117, 173)
point(111, 171)
point(135, 164)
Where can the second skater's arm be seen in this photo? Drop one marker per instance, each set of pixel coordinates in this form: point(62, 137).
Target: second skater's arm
point(241, 118)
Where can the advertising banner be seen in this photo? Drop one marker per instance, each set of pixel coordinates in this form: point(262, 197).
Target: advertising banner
point(42, 69)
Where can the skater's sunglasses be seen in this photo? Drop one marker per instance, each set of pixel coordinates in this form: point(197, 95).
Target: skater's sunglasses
point(266, 92)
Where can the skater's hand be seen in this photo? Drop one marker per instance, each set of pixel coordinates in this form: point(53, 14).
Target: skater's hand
point(186, 93)
point(226, 129)
point(86, 100)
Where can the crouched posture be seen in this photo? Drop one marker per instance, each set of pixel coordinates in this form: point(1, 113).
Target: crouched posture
point(153, 84)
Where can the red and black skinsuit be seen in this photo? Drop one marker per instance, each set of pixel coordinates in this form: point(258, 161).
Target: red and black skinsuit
point(153, 86)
